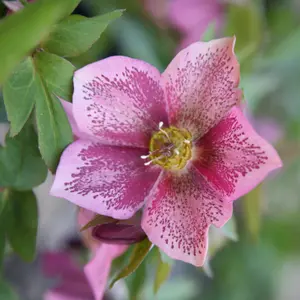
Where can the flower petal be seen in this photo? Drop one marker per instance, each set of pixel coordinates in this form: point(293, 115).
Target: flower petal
point(119, 100)
point(97, 270)
point(180, 209)
point(72, 281)
point(13, 5)
point(201, 85)
point(188, 15)
point(111, 181)
point(233, 157)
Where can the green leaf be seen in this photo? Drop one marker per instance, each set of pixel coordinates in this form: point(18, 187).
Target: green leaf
point(76, 34)
point(98, 219)
point(6, 292)
point(140, 251)
point(135, 282)
point(21, 32)
point(245, 22)
point(54, 130)
point(18, 94)
point(23, 223)
point(2, 228)
point(57, 73)
point(135, 41)
point(230, 229)
point(21, 165)
point(163, 271)
point(210, 32)
point(2, 246)
point(3, 116)
point(252, 212)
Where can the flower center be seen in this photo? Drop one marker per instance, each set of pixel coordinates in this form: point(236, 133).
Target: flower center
point(170, 148)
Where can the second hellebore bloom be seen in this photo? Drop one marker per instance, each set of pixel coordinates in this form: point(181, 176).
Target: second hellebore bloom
point(175, 144)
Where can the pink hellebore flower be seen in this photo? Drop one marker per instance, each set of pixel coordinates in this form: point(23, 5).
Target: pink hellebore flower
point(175, 143)
point(190, 17)
point(73, 283)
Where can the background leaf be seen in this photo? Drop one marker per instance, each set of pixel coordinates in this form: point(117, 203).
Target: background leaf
point(57, 73)
point(18, 94)
point(139, 253)
point(6, 292)
point(54, 130)
point(135, 282)
point(3, 116)
point(23, 223)
point(76, 34)
point(39, 18)
point(163, 271)
point(2, 228)
point(21, 165)
point(252, 212)
point(245, 22)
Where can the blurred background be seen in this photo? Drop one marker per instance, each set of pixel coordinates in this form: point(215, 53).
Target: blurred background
point(257, 257)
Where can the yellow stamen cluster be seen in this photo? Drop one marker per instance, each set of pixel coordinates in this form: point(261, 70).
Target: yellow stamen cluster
point(171, 148)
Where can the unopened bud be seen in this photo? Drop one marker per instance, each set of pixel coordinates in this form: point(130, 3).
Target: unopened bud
point(118, 233)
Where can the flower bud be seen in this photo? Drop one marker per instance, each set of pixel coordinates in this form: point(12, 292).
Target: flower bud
point(118, 233)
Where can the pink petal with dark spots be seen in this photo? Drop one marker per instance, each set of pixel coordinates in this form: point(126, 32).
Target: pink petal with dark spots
point(201, 85)
point(180, 210)
point(119, 100)
point(111, 181)
point(233, 157)
point(97, 270)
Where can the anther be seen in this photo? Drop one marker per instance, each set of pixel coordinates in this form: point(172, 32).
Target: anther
point(144, 156)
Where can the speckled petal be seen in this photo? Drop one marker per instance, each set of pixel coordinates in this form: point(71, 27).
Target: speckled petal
point(108, 180)
point(180, 209)
point(233, 157)
point(201, 85)
point(119, 100)
point(68, 108)
point(97, 270)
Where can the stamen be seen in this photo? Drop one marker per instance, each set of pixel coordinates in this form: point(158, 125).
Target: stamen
point(152, 160)
point(160, 125)
point(170, 148)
